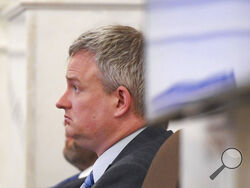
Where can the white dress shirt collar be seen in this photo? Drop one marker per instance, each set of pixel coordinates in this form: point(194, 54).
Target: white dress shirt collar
point(110, 154)
point(86, 172)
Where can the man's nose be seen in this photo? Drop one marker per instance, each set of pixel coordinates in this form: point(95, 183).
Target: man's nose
point(63, 102)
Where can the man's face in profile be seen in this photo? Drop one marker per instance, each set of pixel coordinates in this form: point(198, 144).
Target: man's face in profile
point(87, 106)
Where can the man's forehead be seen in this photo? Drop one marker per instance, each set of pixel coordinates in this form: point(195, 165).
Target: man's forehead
point(80, 60)
point(79, 70)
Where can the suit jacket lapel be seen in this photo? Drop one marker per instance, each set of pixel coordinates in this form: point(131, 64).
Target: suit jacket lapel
point(150, 134)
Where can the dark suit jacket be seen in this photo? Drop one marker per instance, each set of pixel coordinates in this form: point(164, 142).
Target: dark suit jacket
point(72, 182)
point(131, 165)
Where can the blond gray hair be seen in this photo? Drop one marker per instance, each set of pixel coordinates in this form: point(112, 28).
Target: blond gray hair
point(119, 56)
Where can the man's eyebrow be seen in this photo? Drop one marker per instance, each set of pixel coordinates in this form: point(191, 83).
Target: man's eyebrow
point(72, 78)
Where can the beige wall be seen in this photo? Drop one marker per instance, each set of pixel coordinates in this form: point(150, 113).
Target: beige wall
point(4, 107)
point(12, 110)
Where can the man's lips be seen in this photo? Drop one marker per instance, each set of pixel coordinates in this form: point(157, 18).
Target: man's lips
point(67, 120)
point(66, 117)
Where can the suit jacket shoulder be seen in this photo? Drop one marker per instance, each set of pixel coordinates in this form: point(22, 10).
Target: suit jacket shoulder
point(74, 183)
point(71, 182)
point(131, 165)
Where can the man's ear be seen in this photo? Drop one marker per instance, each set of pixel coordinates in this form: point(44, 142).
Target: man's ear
point(123, 101)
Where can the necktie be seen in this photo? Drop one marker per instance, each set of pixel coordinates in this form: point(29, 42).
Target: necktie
point(89, 181)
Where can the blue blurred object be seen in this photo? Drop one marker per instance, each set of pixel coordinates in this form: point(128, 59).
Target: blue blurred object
point(186, 92)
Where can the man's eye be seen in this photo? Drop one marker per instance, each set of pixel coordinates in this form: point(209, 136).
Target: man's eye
point(76, 88)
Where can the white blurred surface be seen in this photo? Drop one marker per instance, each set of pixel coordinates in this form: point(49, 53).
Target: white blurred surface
point(193, 41)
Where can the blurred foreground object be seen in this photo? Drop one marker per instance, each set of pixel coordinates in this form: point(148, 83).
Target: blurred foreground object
point(198, 76)
point(195, 49)
point(211, 126)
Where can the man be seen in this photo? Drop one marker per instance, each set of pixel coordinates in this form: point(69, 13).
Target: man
point(80, 158)
point(104, 109)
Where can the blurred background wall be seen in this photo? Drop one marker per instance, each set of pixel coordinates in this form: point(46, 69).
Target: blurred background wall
point(4, 108)
point(34, 39)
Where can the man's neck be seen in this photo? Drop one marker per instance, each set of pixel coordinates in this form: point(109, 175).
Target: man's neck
point(124, 128)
